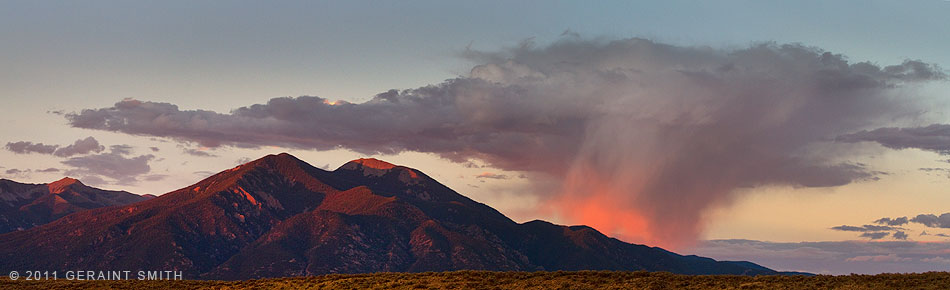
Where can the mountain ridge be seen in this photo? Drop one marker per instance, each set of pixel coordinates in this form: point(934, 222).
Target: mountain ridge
point(280, 216)
point(24, 205)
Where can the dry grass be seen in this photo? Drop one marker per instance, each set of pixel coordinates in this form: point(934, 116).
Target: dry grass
point(523, 281)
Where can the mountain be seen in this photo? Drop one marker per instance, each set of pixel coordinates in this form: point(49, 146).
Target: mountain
point(279, 216)
point(24, 206)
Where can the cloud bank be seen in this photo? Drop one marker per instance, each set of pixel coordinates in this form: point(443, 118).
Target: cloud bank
point(644, 137)
point(115, 164)
point(839, 258)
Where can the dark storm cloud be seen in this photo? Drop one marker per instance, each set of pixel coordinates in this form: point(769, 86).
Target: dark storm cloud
point(875, 235)
point(892, 222)
point(81, 146)
point(25, 147)
point(934, 138)
point(636, 128)
point(914, 70)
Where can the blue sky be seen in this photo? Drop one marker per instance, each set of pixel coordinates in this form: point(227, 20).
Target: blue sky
point(355, 49)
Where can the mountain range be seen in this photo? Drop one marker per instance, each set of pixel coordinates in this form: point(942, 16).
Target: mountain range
point(23, 206)
point(279, 216)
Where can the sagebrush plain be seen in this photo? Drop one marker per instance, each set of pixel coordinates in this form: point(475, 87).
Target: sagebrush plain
point(522, 281)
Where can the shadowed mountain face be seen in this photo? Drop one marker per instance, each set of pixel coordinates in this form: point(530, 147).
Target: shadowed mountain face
point(279, 216)
point(24, 206)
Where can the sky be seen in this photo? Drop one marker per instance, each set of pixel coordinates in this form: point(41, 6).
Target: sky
point(706, 127)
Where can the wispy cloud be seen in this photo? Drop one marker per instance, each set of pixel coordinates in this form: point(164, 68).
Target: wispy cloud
point(491, 175)
point(81, 146)
point(865, 228)
point(15, 171)
point(196, 152)
point(26, 147)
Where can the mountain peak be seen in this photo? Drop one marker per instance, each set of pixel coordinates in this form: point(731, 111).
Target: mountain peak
point(62, 184)
point(282, 157)
point(376, 167)
point(274, 161)
point(374, 163)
